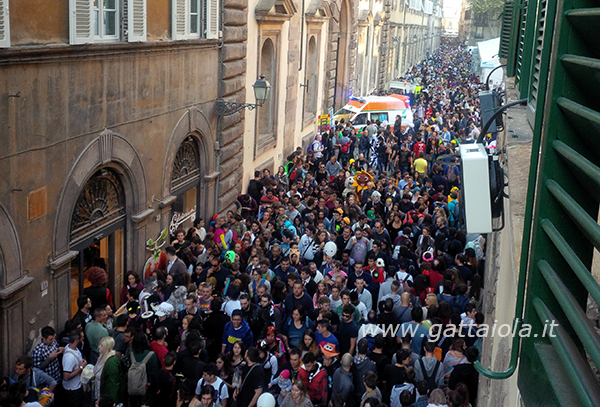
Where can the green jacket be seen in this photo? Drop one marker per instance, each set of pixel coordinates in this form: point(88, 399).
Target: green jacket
point(113, 382)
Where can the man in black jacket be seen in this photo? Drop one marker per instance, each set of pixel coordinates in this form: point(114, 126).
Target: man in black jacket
point(251, 314)
point(255, 187)
point(298, 297)
point(467, 374)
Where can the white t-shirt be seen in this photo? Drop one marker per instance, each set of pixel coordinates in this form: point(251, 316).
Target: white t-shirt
point(362, 308)
point(221, 391)
point(71, 362)
point(402, 275)
point(231, 306)
point(335, 303)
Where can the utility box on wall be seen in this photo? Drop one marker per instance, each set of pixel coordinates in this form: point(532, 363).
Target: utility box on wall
point(476, 203)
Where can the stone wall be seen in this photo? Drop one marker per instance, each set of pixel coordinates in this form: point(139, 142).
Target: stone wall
point(59, 104)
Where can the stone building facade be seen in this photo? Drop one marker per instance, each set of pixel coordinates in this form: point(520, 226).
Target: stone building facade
point(307, 51)
point(393, 36)
point(108, 130)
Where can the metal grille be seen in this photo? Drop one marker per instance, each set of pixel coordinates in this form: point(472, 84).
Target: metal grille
point(186, 165)
point(100, 203)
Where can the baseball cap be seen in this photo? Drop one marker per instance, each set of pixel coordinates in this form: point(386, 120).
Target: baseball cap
point(164, 309)
point(370, 214)
point(328, 349)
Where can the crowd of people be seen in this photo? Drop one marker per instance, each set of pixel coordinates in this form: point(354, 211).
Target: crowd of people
point(319, 290)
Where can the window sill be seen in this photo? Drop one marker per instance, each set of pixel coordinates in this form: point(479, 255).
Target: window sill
point(61, 52)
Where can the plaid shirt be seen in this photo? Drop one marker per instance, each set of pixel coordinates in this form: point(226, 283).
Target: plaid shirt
point(40, 353)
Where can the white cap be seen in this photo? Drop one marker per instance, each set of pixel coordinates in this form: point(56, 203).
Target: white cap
point(164, 309)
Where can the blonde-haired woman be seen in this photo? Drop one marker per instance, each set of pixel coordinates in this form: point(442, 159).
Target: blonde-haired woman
point(430, 299)
point(108, 372)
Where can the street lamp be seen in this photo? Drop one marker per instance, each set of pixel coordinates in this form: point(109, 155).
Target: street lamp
point(262, 88)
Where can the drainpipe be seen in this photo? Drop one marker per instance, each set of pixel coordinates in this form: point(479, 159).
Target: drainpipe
point(301, 36)
point(219, 138)
point(337, 61)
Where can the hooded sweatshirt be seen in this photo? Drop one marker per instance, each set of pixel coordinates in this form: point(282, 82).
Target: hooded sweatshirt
point(316, 383)
point(361, 365)
point(232, 335)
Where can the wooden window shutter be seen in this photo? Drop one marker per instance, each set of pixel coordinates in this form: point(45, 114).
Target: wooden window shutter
point(4, 25)
point(81, 21)
point(179, 19)
point(137, 20)
point(212, 19)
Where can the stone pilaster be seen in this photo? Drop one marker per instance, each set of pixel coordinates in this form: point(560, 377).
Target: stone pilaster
point(294, 93)
point(233, 87)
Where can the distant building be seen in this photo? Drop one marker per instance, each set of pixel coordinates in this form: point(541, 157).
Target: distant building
point(452, 13)
point(474, 27)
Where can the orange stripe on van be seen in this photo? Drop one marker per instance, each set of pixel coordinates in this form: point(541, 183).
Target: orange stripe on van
point(385, 106)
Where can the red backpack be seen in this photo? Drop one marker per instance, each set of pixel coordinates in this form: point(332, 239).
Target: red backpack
point(345, 148)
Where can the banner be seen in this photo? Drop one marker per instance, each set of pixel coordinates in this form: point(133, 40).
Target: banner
point(324, 122)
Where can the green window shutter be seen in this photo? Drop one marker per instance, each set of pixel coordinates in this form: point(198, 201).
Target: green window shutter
point(507, 15)
point(557, 370)
point(540, 59)
point(526, 38)
point(521, 24)
point(515, 26)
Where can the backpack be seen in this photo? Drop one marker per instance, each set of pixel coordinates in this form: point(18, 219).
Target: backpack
point(451, 174)
point(438, 349)
point(371, 339)
point(430, 379)
point(137, 377)
point(457, 304)
point(345, 148)
point(454, 211)
point(310, 147)
point(218, 393)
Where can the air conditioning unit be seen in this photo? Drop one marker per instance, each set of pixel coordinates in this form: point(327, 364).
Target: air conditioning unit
point(476, 202)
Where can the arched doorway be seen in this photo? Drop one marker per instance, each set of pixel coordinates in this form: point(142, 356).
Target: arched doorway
point(97, 232)
point(343, 60)
point(185, 184)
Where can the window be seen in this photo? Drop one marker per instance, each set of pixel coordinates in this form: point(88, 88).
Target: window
point(195, 19)
point(267, 112)
point(106, 16)
point(309, 112)
point(4, 24)
point(382, 117)
point(478, 32)
point(360, 119)
point(100, 21)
